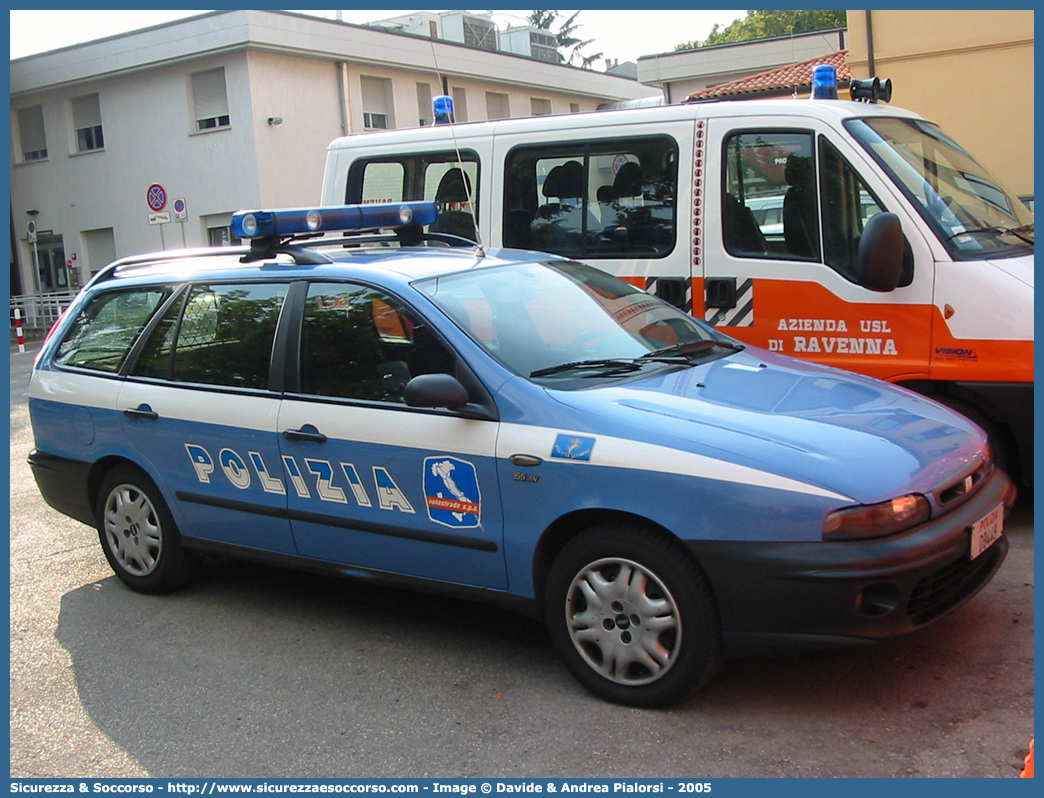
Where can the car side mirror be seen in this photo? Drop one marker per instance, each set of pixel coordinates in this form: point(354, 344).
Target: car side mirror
point(436, 390)
point(879, 260)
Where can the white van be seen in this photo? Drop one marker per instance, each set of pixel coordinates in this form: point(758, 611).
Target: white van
point(667, 198)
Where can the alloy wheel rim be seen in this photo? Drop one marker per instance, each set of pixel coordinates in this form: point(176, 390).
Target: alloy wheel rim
point(623, 621)
point(132, 530)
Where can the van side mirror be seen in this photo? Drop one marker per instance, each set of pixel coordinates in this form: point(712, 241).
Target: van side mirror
point(879, 260)
point(435, 390)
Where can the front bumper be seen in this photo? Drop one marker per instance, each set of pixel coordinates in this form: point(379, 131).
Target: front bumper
point(777, 597)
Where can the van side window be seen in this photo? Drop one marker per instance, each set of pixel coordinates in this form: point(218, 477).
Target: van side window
point(218, 335)
point(450, 182)
point(359, 343)
point(769, 207)
point(847, 204)
point(103, 333)
point(596, 199)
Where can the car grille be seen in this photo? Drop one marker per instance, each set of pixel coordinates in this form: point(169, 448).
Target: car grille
point(956, 492)
point(951, 584)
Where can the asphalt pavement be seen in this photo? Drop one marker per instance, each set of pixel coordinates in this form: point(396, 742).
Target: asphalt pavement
point(259, 672)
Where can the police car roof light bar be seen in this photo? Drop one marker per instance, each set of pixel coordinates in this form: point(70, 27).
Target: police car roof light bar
point(290, 222)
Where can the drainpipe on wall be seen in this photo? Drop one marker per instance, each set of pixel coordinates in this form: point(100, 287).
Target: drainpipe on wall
point(870, 45)
point(342, 96)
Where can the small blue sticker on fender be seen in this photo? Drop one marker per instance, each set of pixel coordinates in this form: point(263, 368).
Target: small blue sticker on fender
point(572, 447)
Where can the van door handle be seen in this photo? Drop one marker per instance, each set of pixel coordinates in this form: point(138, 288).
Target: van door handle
point(141, 411)
point(306, 433)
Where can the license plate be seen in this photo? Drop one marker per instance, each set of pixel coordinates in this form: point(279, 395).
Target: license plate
point(986, 530)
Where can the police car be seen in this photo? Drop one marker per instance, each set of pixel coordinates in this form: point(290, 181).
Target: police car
point(509, 426)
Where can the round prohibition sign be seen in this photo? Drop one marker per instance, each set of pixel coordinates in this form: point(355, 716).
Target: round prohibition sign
point(157, 197)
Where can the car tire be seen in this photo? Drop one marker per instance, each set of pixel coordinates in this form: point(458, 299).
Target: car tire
point(632, 616)
point(138, 534)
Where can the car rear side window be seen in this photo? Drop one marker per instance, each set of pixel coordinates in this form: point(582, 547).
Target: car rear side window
point(102, 335)
point(217, 335)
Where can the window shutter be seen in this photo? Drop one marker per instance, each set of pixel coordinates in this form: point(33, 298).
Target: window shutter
point(208, 91)
point(86, 112)
point(31, 130)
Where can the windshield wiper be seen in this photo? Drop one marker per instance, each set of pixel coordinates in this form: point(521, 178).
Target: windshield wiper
point(584, 365)
point(997, 231)
point(677, 354)
point(692, 348)
point(1025, 232)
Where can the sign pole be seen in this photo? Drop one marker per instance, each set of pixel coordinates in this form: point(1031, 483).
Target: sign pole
point(36, 269)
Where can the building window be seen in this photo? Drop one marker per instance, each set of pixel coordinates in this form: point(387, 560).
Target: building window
point(100, 246)
point(375, 121)
point(86, 114)
point(221, 237)
point(210, 99)
point(377, 101)
point(539, 106)
point(574, 108)
point(497, 106)
point(460, 104)
point(425, 112)
point(31, 133)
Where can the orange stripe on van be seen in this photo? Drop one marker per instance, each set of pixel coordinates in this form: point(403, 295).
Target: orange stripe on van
point(891, 342)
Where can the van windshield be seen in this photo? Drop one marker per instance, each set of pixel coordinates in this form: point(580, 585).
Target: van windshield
point(970, 212)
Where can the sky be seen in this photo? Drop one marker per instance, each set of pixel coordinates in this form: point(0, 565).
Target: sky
point(619, 34)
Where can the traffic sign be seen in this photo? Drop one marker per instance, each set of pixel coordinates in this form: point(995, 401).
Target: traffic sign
point(180, 211)
point(32, 232)
point(159, 218)
point(157, 197)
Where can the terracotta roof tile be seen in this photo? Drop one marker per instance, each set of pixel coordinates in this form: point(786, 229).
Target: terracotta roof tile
point(776, 81)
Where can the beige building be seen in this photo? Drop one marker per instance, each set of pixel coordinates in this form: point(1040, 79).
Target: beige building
point(970, 71)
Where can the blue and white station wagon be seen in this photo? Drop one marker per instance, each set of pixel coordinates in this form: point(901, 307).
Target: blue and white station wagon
point(509, 426)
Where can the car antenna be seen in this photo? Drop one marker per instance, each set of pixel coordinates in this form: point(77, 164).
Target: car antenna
point(442, 107)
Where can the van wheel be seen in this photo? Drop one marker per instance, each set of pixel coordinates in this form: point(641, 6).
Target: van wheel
point(632, 616)
point(138, 534)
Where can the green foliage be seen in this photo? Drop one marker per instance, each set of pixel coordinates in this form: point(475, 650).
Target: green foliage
point(765, 24)
point(544, 20)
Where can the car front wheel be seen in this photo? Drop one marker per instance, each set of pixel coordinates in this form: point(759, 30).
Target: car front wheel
point(632, 616)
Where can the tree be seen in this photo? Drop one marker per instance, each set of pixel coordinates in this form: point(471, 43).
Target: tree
point(764, 24)
point(565, 38)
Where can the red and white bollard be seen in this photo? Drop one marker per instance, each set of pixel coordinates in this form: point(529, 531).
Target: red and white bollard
point(18, 331)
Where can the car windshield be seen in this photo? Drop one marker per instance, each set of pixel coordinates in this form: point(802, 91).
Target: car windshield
point(561, 320)
point(970, 212)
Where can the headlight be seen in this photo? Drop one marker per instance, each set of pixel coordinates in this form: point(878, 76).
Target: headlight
point(876, 520)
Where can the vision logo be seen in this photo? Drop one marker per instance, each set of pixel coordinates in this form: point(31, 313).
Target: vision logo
point(952, 353)
point(451, 491)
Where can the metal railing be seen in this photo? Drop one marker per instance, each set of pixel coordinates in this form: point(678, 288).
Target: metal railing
point(39, 311)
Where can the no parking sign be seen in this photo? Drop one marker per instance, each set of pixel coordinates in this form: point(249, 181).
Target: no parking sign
point(156, 197)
